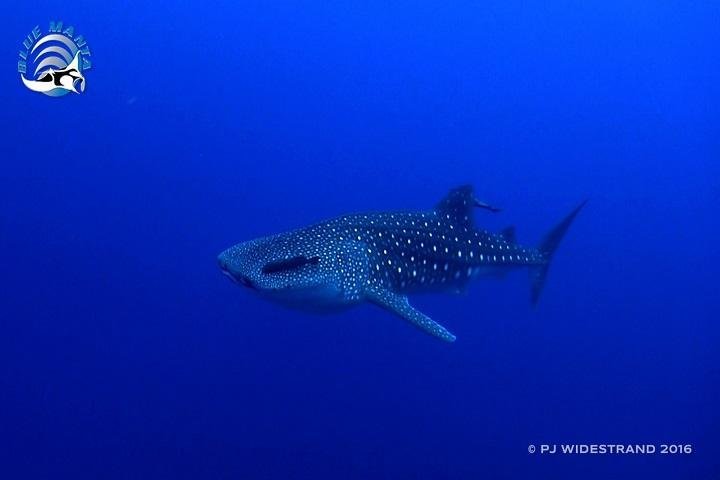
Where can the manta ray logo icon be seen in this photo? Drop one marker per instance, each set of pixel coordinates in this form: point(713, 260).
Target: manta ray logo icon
point(53, 63)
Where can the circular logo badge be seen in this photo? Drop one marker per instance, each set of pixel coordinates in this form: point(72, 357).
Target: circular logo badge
point(54, 63)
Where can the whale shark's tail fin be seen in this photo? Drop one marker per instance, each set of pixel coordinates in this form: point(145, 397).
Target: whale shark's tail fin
point(547, 249)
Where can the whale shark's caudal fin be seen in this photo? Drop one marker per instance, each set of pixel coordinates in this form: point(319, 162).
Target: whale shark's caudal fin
point(547, 249)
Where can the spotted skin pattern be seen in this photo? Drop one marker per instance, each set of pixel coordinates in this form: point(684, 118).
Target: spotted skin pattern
point(380, 258)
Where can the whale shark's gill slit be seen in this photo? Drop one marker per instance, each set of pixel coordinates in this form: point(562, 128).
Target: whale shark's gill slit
point(289, 264)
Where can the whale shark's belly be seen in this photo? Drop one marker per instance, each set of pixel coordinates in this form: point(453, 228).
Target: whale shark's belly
point(318, 299)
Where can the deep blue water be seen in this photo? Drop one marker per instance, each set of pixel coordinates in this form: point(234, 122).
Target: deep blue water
point(124, 353)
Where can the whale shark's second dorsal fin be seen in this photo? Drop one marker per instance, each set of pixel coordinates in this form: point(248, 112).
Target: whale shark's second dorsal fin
point(400, 305)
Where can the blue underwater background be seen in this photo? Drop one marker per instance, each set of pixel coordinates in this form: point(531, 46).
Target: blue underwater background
point(125, 354)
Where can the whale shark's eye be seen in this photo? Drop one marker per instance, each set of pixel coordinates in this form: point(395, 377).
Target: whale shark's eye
point(289, 264)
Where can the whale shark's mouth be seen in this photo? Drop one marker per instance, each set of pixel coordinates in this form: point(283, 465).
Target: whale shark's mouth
point(229, 275)
point(239, 279)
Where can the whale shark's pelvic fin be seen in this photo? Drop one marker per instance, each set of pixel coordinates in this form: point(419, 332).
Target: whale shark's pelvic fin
point(400, 305)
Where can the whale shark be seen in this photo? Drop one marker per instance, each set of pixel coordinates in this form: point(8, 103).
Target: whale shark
point(383, 257)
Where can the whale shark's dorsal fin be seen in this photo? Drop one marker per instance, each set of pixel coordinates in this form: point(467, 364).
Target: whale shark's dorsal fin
point(400, 305)
point(458, 204)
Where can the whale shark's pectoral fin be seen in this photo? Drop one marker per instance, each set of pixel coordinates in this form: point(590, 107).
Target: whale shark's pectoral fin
point(400, 305)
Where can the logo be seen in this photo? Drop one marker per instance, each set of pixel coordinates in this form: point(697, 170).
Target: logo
point(54, 63)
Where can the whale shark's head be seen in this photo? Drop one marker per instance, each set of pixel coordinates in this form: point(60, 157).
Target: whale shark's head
point(283, 269)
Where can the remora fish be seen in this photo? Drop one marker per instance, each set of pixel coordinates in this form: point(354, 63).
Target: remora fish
point(383, 257)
